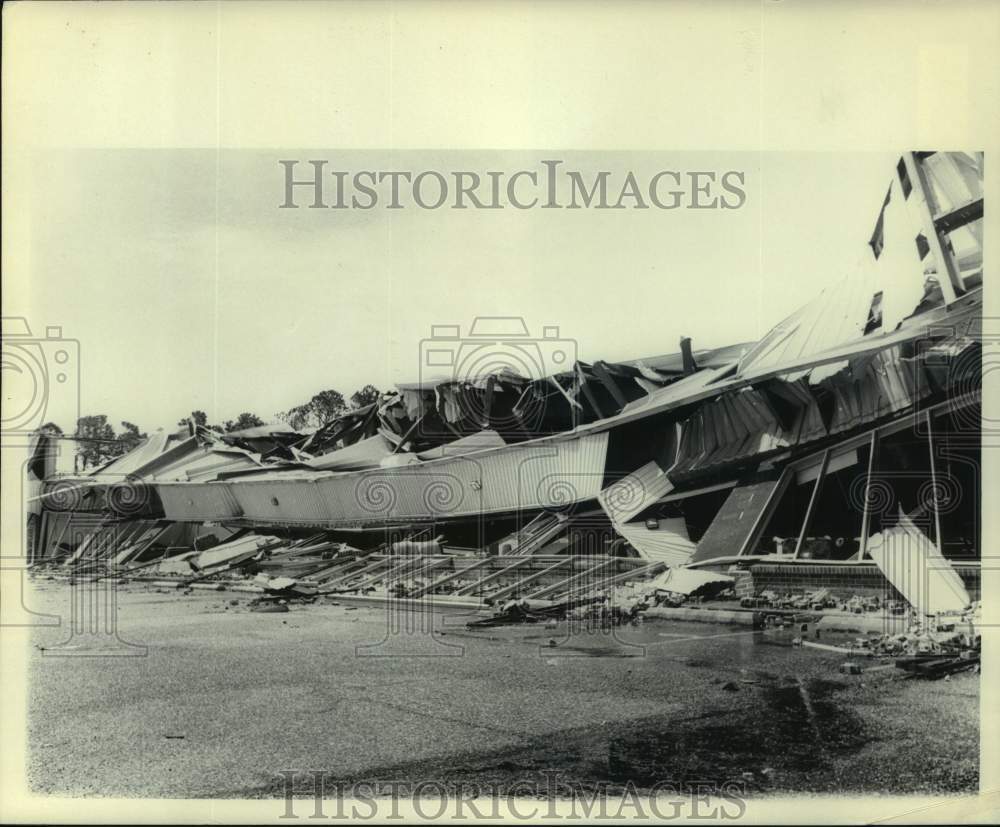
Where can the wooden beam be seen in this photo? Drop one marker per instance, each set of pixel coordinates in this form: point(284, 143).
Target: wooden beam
point(531, 578)
point(812, 503)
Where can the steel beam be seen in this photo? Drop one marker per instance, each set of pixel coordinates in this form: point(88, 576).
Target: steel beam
point(812, 502)
point(492, 576)
point(624, 577)
point(449, 577)
point(531, 578)
point(555, 587)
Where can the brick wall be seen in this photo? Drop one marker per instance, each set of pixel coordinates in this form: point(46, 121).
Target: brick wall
point(866, 581)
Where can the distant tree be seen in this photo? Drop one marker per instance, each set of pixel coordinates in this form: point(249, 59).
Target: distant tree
point(96, 442)
point(51, 429)
point(130, 438)
point(198, 417)
point(244, 420)
point(319, 410)
point(327, 405)
point(365, 396)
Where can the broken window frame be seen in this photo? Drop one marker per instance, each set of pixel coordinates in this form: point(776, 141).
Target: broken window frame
point(824, 459)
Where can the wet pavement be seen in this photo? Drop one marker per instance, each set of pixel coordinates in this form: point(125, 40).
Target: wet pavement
point(198, 696)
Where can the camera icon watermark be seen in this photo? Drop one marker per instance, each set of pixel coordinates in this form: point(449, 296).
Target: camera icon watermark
point(496, 346)
point(37, 372)
point(40, 380)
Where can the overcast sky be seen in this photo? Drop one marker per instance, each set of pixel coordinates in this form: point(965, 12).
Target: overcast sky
point(188, 288)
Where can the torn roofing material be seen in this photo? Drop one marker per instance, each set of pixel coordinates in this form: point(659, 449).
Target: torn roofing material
point(488, 444)
point(918, 569)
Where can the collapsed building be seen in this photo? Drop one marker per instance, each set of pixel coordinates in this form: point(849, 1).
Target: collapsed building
point(841, 450)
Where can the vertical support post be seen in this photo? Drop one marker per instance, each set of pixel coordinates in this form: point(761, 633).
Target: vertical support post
point(812, 502)
point(867, 515)
point(490, 388)
point(937, 511)
point(949, 278)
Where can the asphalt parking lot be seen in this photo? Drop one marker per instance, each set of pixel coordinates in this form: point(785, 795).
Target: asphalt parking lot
point(197, 696)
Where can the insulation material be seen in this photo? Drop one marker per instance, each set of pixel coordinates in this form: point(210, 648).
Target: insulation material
point(918, 570)
point(634, 493)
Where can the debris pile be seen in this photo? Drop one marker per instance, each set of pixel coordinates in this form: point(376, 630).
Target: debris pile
point(596, 488)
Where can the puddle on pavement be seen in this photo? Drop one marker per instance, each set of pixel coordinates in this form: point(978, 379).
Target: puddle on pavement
point(798, 726)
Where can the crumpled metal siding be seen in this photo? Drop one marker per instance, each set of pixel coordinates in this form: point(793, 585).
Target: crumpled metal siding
point(508, 479)
point(668, 544)
point(635, 492)
point(279, 499)
point(196, 501)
